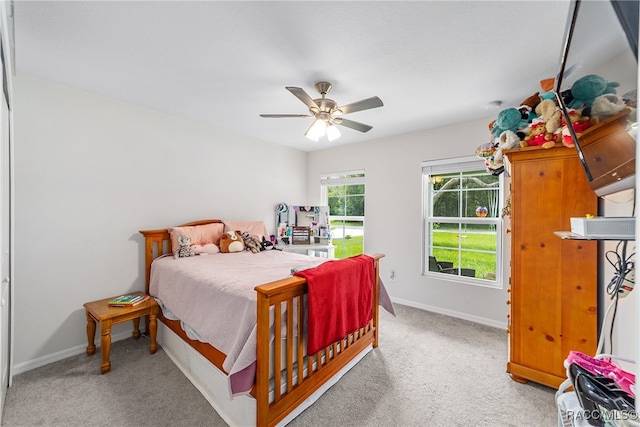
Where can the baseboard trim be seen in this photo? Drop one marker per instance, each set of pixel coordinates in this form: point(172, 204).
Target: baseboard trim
point(63, 354)
point(59, 355)
point(452, 313)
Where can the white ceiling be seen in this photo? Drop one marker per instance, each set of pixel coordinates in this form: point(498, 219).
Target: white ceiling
point(433, 63)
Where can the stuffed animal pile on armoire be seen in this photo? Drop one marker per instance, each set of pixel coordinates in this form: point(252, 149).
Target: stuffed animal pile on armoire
point(538, 121)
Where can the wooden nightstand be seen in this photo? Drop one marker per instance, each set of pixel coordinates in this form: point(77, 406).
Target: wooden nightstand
point(99, 311)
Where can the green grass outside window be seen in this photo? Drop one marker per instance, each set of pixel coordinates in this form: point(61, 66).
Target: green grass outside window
point(481, 262)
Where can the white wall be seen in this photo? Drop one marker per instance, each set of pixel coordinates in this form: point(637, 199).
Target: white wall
point(89, 173)
point(393, 211)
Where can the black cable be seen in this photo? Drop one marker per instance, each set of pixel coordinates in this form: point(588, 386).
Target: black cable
point(612, 290)
point(622, 266)
point(613, 320)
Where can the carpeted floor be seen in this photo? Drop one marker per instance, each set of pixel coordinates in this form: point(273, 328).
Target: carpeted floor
point(429, 370)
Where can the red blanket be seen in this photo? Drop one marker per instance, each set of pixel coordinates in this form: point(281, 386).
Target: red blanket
point(340, 299)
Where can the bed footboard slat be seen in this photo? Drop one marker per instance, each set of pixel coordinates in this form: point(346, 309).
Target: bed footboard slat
point(262, 369)
point(301, 358)
point(277, 354)
point(320, 367)
point(290, 340)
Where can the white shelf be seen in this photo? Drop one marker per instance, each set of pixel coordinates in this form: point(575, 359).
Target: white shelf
point(568, 235)
point(325, 251)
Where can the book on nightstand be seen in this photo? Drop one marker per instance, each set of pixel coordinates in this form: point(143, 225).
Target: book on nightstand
point(128, 300)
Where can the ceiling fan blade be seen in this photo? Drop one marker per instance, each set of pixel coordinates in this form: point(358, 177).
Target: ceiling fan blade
point(303, 96)
point(353, 125)
point(281, 116)
point(364, 104)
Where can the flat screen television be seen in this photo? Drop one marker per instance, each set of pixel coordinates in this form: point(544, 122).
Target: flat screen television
point(601, 37)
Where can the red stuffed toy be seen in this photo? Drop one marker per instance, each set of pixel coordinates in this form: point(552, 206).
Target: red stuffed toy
point(578, 122)
point(537, 137)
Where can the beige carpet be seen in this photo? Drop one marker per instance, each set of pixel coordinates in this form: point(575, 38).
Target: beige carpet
point(429, 370)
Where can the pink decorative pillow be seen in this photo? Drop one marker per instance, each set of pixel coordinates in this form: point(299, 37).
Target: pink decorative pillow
point(254, 228)
point(200, 234)
point(206, 249)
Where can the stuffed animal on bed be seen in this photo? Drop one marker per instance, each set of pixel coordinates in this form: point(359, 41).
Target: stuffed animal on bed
point(268, 244)
point(231, 241)
point(206, 249)
point(184, 250)
point(251, 243)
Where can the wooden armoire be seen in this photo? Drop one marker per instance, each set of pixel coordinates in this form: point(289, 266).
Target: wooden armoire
point(553, 289)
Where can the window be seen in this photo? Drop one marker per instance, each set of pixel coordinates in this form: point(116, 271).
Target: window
point(344, 194)
point(462, 225)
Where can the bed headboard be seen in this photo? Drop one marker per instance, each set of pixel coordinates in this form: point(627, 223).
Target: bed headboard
point(158, 242)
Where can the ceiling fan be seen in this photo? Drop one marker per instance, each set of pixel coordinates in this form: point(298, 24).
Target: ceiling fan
point(327, 113)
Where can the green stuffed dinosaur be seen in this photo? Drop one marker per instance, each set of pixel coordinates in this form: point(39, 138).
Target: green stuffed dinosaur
point(586, 89)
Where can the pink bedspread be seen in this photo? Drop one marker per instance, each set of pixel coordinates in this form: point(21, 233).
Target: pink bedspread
point(214, 296)
point(342, 291)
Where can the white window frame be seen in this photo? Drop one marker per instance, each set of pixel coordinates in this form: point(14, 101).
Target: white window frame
point(452, 165)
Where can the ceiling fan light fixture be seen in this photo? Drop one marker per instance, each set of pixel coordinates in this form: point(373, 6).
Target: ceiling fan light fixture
point(332, 133)
point(317, 129)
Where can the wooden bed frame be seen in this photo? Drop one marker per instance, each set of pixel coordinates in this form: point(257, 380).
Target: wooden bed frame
point(300, 382)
